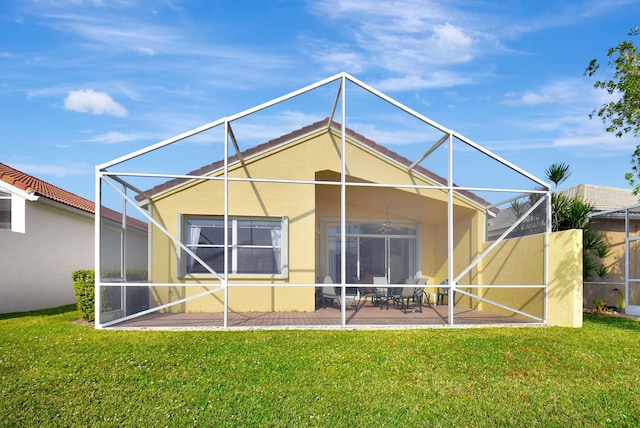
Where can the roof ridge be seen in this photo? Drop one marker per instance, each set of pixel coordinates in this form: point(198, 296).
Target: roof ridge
point(598, 186)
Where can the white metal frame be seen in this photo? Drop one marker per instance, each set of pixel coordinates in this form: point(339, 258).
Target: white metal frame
point(106, 173)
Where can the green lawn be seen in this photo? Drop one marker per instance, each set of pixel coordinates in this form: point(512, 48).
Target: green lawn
point(57, 373)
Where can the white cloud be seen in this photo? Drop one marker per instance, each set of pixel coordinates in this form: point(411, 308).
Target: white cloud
point(415, 41)
point(556, 92)
point(591, 134)
point(340, 59)
point(54, 170)
point(114, 137)
point(148, 51)
point(116, 30)
point(450, 38)
point(566, 127)
point(527, 98)
point(110, 138)
point(89, 101)
point(438, 79)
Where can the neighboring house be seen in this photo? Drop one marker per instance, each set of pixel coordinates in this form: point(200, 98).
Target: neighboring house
point(609, 218)
point(259, 229)
point(603, 198)
point(500, 221)
point(46, 233)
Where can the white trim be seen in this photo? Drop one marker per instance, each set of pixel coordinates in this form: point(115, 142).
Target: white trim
point(181, 268)
point(233, 245)
point(9, 188)
point(18, 214)
point(284, 248)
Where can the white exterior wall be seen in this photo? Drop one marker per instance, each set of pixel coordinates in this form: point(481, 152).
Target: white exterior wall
point(136, 248)
point(36, 266)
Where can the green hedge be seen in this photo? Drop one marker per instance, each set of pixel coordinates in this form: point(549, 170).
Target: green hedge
point(84, 287)
point(84, 284)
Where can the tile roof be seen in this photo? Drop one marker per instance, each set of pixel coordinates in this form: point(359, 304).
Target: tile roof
point(37, 187)
point(602, 197)
point(260, 148)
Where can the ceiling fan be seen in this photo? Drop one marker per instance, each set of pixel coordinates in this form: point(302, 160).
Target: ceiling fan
point(386, 226)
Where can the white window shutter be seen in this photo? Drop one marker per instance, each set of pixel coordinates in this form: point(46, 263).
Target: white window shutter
point(181, 268)
point(284, 251)
point(18, 214)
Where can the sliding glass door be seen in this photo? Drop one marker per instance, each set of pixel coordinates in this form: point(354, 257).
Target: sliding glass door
point(373, 251)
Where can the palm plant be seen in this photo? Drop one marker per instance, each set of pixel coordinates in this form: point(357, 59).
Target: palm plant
point(594, 249)
point(519, 208)
point(557, 173)
point(576, 215)
point(559, 210)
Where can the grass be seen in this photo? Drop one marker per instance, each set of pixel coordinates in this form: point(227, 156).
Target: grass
point(57, 373)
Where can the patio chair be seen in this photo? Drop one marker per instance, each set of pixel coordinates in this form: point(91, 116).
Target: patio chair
point(443, 292)
point(407, 294)
point(329, 294)
point(367, 292)
point(420, 290)
point(382, 295)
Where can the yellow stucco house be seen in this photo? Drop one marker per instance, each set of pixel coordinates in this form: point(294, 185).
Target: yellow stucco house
point(290, 234)
point(264, 227)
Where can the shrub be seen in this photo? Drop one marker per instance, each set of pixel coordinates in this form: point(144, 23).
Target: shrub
point(84, 287)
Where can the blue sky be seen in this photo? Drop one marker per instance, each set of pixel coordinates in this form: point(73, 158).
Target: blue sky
point(85, 82)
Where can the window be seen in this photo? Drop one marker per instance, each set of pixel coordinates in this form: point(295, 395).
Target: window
point(256, 245)
point(5, 210)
